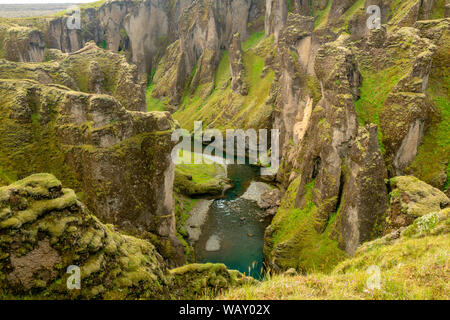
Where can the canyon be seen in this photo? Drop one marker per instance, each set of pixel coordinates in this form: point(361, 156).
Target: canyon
point(87, 115)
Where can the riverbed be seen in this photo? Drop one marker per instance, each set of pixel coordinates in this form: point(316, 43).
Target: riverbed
point(233, 233)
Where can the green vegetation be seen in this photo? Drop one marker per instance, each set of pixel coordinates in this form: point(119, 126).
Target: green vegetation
point(355, 8)
point(199, 179)
point(152, 103)
point(412, 267)
point(226, 109)
point(438, 11)
point(432, 162)
point(30, 147)
point(375, 89)
point(304, 249)
point(322, 16)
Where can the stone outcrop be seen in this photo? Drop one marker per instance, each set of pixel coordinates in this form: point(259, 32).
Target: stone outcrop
point(143, 28)
point(339, 188)
point(119, 159)
point(270, 202)
point(297, 89)
point(90, 70)
point(21, 43)
point(410, 199)
point(238, 83)
point(335, 159)
point(432, 224)
point(44, 229)
point(191, 280)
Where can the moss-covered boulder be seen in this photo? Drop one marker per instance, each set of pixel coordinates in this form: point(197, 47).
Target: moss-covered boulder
point(195, 180)
point(410, 199)
point(44, 229)
point(194, 281)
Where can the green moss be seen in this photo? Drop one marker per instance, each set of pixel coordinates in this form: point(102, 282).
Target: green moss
point(254, 39)
point(301, 246)
point(31, 147)
point(321, 16)
point(432, 161)
point(199, 179)
point(222, 104)
point(438, 11)
point(153, 104)
point(376, 87)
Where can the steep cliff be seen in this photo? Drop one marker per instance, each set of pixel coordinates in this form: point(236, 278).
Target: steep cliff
point(206, 29)
point(90, 70)
point(118, 159)
point(335, 159)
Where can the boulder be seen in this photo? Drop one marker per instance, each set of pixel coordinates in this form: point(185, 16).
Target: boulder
point(45, 229)
point(410, 199)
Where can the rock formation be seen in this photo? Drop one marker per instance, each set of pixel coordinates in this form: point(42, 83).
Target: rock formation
point(335, 159)
point(45, 230)
point(90, 70)
point(358, 110)
point(410, 199)
point(119, 159)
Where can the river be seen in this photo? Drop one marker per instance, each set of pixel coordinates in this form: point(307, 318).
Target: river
point(234, 231)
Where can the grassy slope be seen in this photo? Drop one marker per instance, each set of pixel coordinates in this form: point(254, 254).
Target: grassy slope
point(374, 91)
point(416, 266)
point(304, 248)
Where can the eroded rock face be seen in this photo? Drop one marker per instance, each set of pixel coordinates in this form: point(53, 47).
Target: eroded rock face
point(339, 188)
point(364, 194)
point(22, 44)
point(144, 28)
point(410, 199)
point(238, 83)
point(334, 167)
point(296, 88)
point(120, 159)
point(206, 28)
point(44, 229)
point(90, 70)
point(276, 17)
point(191, 280)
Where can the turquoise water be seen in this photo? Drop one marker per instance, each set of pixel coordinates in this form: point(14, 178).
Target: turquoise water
point(241, 241)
